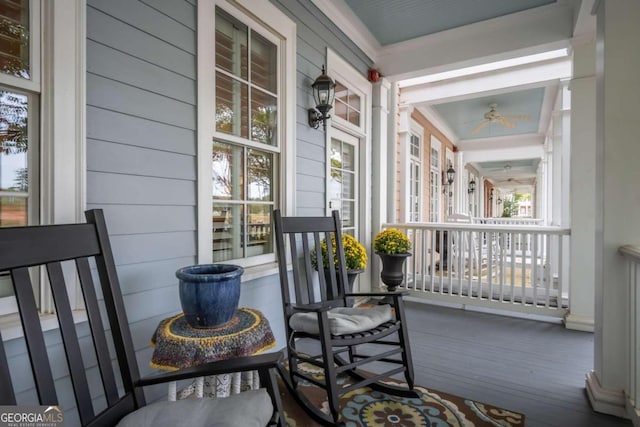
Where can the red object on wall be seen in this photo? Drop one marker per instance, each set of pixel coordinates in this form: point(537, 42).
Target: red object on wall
point(373, 75)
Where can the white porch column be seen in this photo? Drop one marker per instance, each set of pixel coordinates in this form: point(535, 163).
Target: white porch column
point(583, 188)
point(391, 152)
point(380, 169)
point(617, 196)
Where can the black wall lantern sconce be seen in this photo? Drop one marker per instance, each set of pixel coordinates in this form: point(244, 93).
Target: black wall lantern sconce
point(450, 175)
point(324, 89)
point(472, 187)
point(491, 195)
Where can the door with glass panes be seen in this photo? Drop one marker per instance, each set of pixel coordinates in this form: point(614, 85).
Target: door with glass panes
point(343, 179)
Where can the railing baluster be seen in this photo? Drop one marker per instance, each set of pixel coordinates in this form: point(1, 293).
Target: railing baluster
point(523, 280)
point(534, 268)
point(560, 268)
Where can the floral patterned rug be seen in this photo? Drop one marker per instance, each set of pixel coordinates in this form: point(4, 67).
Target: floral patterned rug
point(368, 408)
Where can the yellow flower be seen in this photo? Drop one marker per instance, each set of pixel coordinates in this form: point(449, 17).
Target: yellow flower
point(391, 241)
point(354, 253)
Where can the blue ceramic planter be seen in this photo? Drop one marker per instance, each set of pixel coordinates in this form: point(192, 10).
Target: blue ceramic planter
point(209, 293)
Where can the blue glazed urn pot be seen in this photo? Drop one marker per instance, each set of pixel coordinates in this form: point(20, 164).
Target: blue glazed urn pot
point(209, 293)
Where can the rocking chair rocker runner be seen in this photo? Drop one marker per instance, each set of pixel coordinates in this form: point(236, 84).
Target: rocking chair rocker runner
point(120, 391)
point(315, 308)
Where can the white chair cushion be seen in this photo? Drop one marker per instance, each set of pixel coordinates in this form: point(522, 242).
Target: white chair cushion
point(343, 320)
point(229, 411)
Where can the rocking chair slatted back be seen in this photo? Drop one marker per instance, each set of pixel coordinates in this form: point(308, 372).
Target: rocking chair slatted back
point(305, 244)
point(48, 247)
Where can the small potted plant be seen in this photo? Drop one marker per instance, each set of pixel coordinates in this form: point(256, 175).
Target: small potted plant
point(392, 245)
point(354, 254)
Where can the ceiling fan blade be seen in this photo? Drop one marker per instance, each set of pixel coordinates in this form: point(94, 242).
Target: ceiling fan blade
point(480, 126)
point(518, 117)
point(506, 123)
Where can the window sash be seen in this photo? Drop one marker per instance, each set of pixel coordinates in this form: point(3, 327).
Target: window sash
point(245, 231)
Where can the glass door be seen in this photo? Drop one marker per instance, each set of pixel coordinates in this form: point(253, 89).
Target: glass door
point(343, 179)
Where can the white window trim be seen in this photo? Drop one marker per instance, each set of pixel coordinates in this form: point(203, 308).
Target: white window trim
point(278, 23)
point(62, 41)
point(415, 129)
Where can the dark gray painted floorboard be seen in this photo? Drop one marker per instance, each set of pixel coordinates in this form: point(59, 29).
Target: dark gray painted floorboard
point(527, 366)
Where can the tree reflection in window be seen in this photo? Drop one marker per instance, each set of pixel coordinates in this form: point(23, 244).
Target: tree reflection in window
point(14, 32)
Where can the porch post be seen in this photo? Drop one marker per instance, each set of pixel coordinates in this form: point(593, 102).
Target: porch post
point(380, 141)
point(583, 188)
point(617, 203)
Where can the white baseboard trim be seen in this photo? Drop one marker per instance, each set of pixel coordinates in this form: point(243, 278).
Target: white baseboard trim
point(579, 323)
point(604, 400)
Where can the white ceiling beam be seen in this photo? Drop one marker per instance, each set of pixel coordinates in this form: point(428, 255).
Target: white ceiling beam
point(493, 82)
point(532, 31)
point(514, 153)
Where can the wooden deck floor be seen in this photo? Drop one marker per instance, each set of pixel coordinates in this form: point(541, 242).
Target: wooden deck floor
point(528, 366)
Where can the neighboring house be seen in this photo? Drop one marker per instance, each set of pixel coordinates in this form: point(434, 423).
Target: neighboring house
point(186, 121)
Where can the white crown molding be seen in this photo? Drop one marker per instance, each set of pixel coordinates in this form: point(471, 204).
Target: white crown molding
point(344, 18)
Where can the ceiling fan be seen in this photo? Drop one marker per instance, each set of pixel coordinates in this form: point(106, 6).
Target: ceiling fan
point(493, 116)
point(514, 181)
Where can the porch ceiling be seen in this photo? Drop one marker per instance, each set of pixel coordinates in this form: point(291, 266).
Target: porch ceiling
point(422, 44)
point(401, 20)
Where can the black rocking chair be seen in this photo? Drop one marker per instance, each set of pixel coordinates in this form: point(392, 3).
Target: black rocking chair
point(121, 398)
point(316, 308)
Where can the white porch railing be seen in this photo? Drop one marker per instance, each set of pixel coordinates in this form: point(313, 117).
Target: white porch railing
point(509, 221)
point(632, 255)
point(517, 268)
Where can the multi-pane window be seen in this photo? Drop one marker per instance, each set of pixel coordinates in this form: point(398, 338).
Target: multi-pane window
point(415, 178)
point(347, 104)
point(246, 147)
point(18, 126)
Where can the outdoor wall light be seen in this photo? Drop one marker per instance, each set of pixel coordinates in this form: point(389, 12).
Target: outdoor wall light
point(323, 93)
point(491, 195)
point(450, 175)
point(472, 186)
point(499, 201)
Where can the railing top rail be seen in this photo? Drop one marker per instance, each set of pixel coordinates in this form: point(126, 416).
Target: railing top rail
point(510, 220)
point(533, 229)
point(630, 251)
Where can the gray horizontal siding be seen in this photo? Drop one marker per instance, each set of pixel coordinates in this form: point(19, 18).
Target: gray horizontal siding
point(126, 189)
point(117, 33)
point(150, 21)
point(123, 98)
point(108, 62)
point(175, 10)
point(126, 159)
point(115, 126)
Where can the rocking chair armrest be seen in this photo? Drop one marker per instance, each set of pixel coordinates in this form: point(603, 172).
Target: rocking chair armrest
point(377, 294)
point(239, 364)
point(316, 307)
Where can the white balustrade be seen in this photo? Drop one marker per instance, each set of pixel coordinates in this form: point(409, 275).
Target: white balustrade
point(632, 255)
point(510, 267)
